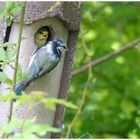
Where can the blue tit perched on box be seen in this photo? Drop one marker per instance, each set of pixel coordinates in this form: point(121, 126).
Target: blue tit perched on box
point(42, 61)
point(42, 36)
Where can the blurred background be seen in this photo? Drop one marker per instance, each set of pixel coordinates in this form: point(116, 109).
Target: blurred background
point(111, 90)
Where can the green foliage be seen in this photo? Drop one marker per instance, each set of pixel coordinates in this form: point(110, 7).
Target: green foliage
point(25, 131)
point(112, 107)
point(10, 10)
point(20, 74)
point(15, 129)
point(7, 56)
point(7, 98)
point(4, 78)
point(35, 98)
point(50, 103)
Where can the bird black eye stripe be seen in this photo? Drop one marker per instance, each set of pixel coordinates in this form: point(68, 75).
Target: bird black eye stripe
point(40, 32)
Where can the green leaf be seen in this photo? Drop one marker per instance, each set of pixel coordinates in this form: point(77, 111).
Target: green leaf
point(9, 4)
point(25, 135)
point(16, 9)
point(10, 127)
point(24, 98)
point(50, 103)
point(10, 55)
point(2, 54)
point(42, 129)
point(2, 13)
point(9, 20)
point(2, 65)
point(8, 81)
point(1, 134)
point(13, 8)
point(9, 97)
point(20, 74)
point(8, 44)
point(31, 129)
point(5, 78)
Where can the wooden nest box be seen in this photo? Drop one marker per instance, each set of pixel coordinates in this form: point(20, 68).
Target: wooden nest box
point(63, 20)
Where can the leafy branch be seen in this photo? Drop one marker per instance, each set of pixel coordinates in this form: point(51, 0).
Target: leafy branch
point(22, 126)
point(10, 11)
point(17, 56)
point(110, 55)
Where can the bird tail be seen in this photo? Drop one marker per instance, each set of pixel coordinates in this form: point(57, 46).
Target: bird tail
point(22, 85)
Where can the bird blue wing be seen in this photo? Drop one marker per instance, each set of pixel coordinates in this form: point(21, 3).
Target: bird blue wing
point(43, 61)
point(33, 67)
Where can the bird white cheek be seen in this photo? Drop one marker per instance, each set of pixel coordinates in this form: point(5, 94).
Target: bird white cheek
point(61, 49)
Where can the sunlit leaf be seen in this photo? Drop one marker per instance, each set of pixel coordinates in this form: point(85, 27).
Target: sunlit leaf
point(2, 54)
point(8, 97)
point(37, 129)
point(16, 9)
point(10, 127)
point(50, 103)
point(8, 44)
point(2, 13)
point(4, 78)
point(9, 4)
point(9, 21)
point(20, 74)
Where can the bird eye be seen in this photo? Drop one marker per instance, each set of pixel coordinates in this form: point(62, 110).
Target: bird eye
point(64, 46)
point(40, 32)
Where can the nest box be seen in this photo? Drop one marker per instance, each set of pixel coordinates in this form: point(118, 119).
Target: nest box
point(63, 20)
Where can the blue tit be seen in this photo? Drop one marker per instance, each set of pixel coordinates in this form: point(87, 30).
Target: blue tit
point(42, 36)
point(42, 61)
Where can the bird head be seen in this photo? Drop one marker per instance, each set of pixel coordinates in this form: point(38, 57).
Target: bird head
point(61, 46)
point(42, 36)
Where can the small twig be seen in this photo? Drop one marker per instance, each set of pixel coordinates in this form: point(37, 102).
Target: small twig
point(18, 44)
point(86, 134)
point(106, 57)
point(17, 56)
point(84, 94)
point(11, 66)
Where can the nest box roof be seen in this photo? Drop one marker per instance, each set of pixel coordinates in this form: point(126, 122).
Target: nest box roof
point(68, 12)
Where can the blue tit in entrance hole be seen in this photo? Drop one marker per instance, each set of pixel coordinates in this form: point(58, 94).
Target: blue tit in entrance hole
point(42, 36)
point(42, 61)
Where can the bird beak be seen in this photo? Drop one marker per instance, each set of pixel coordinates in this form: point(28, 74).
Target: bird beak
point(65, 46)
point(45, 37)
